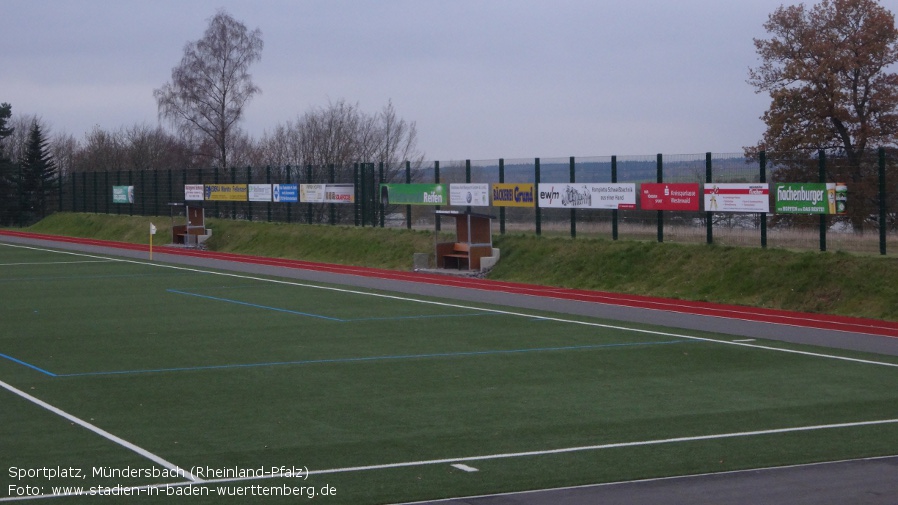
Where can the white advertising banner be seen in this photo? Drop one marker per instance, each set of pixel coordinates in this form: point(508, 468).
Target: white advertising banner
point(327, 193)
point(732, 197)
point(587, 196)
point(193, 192)
point(475, 195)
point(311, 193)
point(260, 192)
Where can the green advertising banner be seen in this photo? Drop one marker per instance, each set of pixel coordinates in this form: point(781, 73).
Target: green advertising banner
point(414, 194)
point(811, 198)
point(123, 194)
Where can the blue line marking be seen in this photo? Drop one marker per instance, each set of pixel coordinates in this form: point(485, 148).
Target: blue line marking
point(372, 358)
point(29, 365)
point(247, 304)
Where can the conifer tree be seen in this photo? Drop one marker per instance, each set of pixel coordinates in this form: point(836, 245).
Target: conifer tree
point(8, 197)
point(37, 179)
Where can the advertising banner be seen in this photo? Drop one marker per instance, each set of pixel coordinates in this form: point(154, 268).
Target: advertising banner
point(731, 197)
point(414, 194)
point(193, 192)
point(513, 195)
point(811, 198)
point(588, 196)
point(260, 192)
point(311, 193)
point(339, 193)
point(669, 196)
point(226, 192)
point(327, 193)
point(476, 195)
point(123, 194)
point(285, 193)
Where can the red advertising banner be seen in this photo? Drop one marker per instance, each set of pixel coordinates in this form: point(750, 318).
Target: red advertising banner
point(663, 196)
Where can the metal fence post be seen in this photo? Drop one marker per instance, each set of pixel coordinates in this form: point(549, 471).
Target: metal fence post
point(537, 208)
point(573, 178)
point(249, 204)
point(502, 208)
point(468, 179)
point(763, 167)
point(355, 180)
point(882, 200)
point(290, 204)
point(614, 211)
point(268, 181)
point(408, 208)
point(215, 180)
point(108, 196)
point(233, 203)
point(660, 179)
point(821, 163)
point(709, 216)
point(436, 180)
point(376, 192)
point(96, 194)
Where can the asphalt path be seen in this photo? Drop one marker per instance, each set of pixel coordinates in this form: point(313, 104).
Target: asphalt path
point(868, 481)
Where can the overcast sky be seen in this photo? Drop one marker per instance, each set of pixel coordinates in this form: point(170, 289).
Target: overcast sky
point(483, 79)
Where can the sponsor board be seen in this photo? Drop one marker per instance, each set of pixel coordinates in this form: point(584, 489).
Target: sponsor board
point(339, 193)
point(513, 195)
point(475, 195)
point(123, 194)
point(327, 193)
point(587, 196)
point(732, 197)
point(193, 192)
point(811, 198)
point(311, 193)
point(285, 193)
point(414, 194)
point(669, 196)
point(226, 192)
point(259, 192)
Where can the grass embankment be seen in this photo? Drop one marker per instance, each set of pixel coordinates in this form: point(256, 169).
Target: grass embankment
point(834, 283)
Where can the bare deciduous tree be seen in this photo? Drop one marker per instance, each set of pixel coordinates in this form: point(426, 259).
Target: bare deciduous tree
point(212, 84)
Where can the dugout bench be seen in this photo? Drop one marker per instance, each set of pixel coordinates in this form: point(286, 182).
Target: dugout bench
point(194, 232)
point(473, 241)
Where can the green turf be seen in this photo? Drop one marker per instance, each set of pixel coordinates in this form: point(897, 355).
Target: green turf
point(229, 371)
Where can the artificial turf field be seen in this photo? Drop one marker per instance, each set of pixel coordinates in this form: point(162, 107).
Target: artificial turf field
point(156, 380)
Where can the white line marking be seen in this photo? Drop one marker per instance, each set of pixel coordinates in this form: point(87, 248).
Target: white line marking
point(465, 468)
point(52, 263)
point(99, 431)
point(467, 307)
point(745, 340)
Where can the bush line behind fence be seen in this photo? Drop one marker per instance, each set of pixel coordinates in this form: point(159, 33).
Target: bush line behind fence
point(870, 226)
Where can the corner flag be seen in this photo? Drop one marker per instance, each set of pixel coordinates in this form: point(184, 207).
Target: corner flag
point(152, 232)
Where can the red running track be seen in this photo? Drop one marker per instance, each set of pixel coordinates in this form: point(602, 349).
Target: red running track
point(820, 321)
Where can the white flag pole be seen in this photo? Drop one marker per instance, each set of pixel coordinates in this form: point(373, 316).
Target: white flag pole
point(152, 232)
